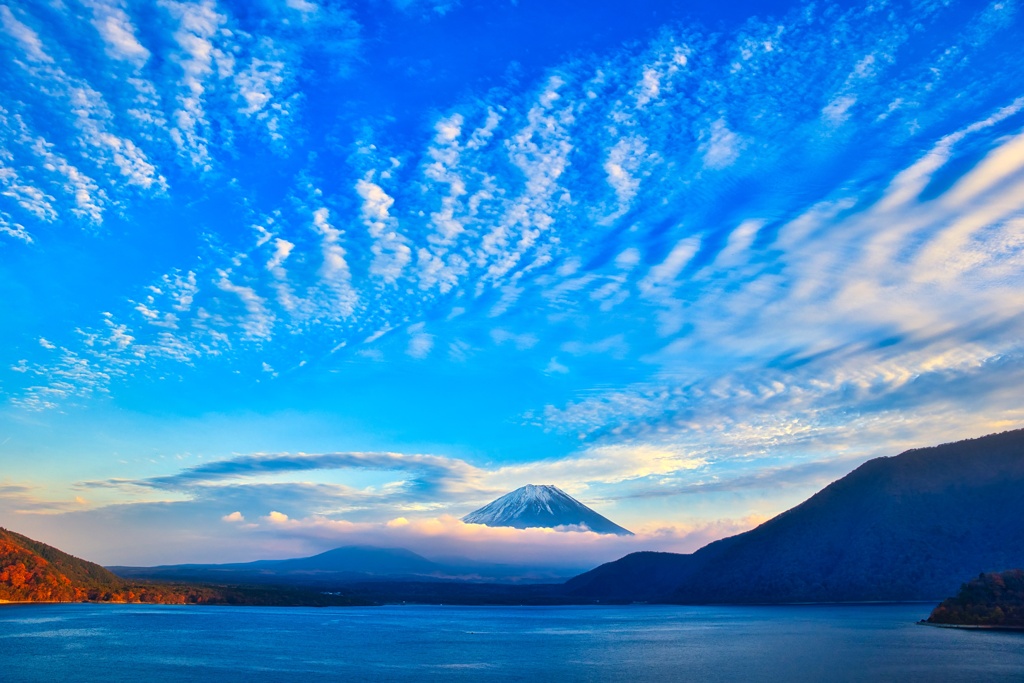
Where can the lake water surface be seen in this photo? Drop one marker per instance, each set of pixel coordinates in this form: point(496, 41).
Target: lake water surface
point(415, 643)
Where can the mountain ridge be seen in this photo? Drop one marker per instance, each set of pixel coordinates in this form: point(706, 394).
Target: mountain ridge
point(346, 565)
point(904, 527)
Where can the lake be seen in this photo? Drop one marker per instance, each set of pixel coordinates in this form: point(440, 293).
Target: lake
point(82, 642)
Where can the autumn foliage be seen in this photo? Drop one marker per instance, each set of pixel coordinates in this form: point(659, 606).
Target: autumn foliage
point(995, 599)
point(27, 576)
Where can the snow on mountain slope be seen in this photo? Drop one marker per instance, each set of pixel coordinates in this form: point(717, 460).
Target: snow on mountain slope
point(542, 506)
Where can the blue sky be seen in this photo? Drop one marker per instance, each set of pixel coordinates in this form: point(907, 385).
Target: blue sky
point(284, 275)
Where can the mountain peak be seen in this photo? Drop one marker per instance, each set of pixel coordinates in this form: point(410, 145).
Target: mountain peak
point(543, 506)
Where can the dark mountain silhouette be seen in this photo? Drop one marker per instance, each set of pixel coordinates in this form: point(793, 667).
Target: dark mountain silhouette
point(533, 506)
point(908, 527)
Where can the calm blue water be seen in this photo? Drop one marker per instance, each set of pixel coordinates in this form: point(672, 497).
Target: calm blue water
point(536, 644)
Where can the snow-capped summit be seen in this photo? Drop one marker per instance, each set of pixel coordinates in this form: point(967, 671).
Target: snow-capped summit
point(542, 506)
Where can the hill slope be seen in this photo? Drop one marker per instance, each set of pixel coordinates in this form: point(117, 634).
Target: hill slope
point(908, 527)
point(534, 506)
point(31, 571)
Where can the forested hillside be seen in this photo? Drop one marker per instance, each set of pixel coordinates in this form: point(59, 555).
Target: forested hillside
point(907, 527)
point(31, 571)
point(993, 599)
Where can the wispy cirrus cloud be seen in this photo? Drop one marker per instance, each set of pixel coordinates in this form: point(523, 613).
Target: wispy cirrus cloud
point(499, 195)
point(223, 77)
point(798, 238)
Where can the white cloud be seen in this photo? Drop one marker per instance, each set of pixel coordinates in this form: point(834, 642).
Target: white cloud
point(485, 133)
point(602, 464)
point(420, 345)
point(649, 87)
point(665, 273)
point(26, 37)
point(554, 367)
point(334, 271)
point(256, 86)
point(16, 230)
point(182, 289)
point(522, 341)
point(621, 166)
point(258, 323)
point(614, 346)
point(70, 377)
point(740, 241)
point(28, 197)
point(721, 146)
point(89, 112)
point(391, 252)
point(198, 24)
point(118, 33)
point(262, 86)
point(540, 150)
point(999, 166)
point(282, 249)
point(378, 334)
point(89, 199)
point(838, 110)
point(628, 258)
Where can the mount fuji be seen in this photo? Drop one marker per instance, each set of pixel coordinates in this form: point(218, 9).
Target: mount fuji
point(542, 506)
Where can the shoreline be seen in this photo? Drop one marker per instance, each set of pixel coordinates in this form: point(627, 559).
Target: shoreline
point(972, 627)
point(405, 603)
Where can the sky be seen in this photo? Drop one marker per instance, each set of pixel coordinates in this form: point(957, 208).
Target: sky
point(278, 276)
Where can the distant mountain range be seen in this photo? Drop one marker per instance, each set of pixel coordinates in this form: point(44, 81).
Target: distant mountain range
point(348, 565)
point(909, 527)
point(533, 506)
point(353, 562)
